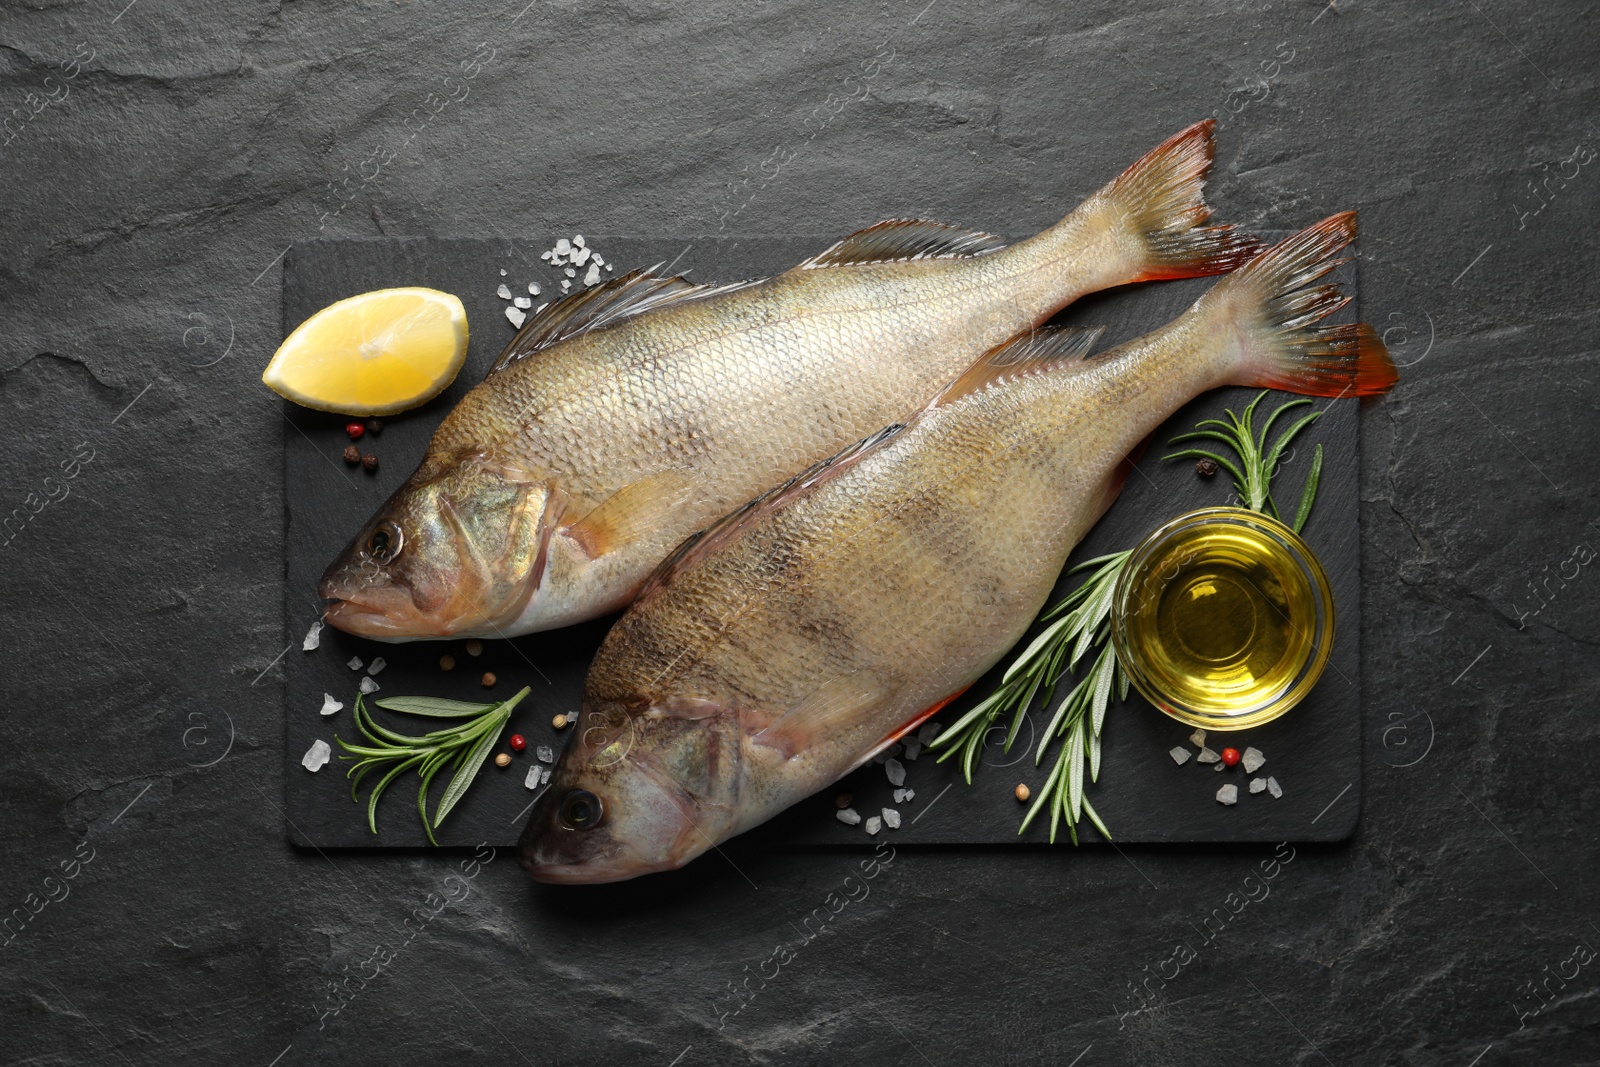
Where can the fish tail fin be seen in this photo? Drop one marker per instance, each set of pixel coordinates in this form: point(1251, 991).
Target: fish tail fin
point(1273, 308)
point(1155, 210)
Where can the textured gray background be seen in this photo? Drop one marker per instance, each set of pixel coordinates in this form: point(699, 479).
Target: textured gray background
point(142, 215)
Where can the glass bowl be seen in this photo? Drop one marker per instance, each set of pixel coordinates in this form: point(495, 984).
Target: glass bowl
point(1223, 618)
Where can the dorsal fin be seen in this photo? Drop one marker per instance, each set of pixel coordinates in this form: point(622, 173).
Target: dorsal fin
point(603, 305)
point(901, 239)
point(697, 545)
point(1032, 353)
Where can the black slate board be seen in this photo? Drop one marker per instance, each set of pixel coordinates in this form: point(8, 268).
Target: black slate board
point(1314, 751)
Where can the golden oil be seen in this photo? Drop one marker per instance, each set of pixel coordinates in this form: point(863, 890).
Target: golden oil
point(1219, 616)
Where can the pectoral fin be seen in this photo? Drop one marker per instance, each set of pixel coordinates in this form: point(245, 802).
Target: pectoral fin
point(634, 511)
point(911, 724)
point(823, 711)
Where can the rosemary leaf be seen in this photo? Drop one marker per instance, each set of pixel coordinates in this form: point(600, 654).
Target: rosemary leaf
point(1271, 460)
point(1308, 495)
point(1074, 747)
point(1094, 817)
point(377, 790)
point(468, 768)
point(436, 707)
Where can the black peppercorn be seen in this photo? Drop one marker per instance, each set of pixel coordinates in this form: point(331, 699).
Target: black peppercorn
point(369, 461)
point(352, 454)
point(1205, 468)
point(374, 426)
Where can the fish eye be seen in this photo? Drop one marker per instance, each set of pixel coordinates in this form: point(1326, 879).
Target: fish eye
point(384, 544)
point(581, 810)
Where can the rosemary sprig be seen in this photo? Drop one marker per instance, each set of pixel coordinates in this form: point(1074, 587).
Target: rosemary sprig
point(1259, 461)
point(467, 745)
point(1081, 621)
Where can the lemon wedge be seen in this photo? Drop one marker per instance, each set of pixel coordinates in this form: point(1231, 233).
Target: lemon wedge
point(373, 354)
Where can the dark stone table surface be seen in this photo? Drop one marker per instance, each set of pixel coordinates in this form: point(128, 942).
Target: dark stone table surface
point(158, 158)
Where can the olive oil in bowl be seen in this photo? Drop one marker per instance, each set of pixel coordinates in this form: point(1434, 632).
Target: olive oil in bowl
point(1223, 618)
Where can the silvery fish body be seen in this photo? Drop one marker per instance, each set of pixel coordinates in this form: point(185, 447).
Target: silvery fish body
point(792, 641)
point(623, 418)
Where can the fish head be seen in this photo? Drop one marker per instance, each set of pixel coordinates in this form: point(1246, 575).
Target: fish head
point(458, 550)
point(639, 790)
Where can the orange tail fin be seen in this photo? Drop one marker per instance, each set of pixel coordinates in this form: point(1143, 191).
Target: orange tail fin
point(1274, 308)
point(1159, 204)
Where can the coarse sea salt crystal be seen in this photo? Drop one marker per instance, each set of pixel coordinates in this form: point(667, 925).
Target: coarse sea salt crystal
point(540, 308)
point(848, 816)
point(542, 255)
point(900, 795)
point(533, 288)
point(874, 824)
point(378, 663)
point(565, 285)
point(887, 754)
point(313, 637)
point(330, 705)
point(532, 781)
point(610, 267)
point(913, 747)
point(1220, 767)
point(577, 239)
point(896, 772)
point(597, 259)
point(517, 317)
point(502, 272)
point(1253, 759)
point(891, 818)
point(580, 257)
point(570, 272)
point(1208, 756)
point(1228, 794)
point(504, 292)
point(368, 685)
point(1179, 754)
point(929, 731)
point(355, 663)
point(1198, 739)
point(545, 754)
point(563, 247)
point(1274, 788)
point(1258, 785)
point(316, 756)
point(593, 276)
point(523, 301)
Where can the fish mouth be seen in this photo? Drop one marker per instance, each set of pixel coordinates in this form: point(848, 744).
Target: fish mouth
point(583, 874)
point(379, 621)
point(617, 862)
